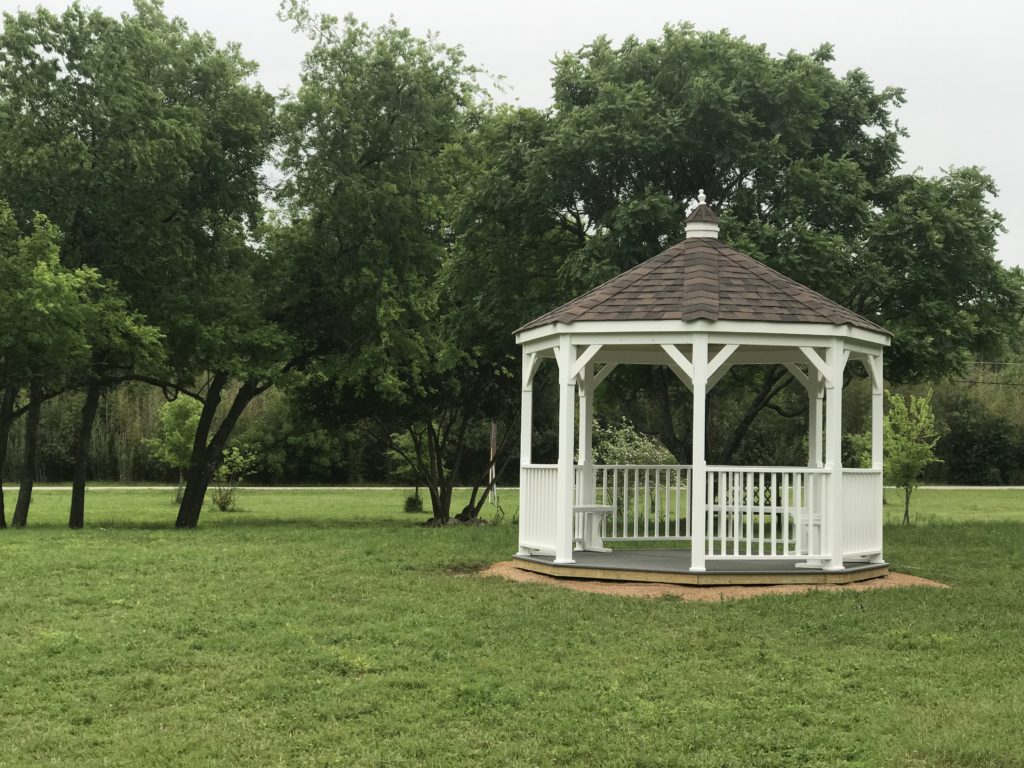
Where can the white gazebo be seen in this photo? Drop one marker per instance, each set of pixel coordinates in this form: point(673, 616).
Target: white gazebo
point(700, 308)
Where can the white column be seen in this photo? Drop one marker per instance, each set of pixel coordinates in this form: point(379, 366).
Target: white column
point(525, 436)
point(698, 475)
point(877, 442)
point(566, 470)
point(833, 517)
point(877, 400)
point(815, 407)
point(586, 437)
point(526, 413)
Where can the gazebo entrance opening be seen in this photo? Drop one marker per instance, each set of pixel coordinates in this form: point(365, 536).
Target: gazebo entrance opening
point(701, 308)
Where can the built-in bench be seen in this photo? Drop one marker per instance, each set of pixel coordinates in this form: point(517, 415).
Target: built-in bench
point(589, 523)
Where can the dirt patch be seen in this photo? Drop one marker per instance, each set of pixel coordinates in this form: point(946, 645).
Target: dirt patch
point(507, 570)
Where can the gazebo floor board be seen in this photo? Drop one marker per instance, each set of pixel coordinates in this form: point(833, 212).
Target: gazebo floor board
point(672, 566)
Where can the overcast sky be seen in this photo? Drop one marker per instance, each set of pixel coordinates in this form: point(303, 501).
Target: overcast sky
point(961, 63)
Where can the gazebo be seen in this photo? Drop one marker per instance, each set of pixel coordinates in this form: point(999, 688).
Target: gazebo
point(700, 308)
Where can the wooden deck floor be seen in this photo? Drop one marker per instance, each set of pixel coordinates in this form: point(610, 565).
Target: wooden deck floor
point(672, 566)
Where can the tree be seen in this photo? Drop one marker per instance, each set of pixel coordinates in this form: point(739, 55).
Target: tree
point(52, 317)
point(372, 155)
point(172, 446)
point(144, 142)
point(910, 438)
point(803, 166)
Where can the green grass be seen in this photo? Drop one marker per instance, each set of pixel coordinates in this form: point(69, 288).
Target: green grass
point(328, 629)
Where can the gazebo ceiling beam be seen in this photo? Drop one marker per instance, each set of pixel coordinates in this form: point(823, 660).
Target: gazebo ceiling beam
point(681, 375)
point(602, 374)
point(799, 374)
point(584, 359)
point(531, 361)
point(718, 375)
point(816, 360)
point(680, 360)
point(721, 358)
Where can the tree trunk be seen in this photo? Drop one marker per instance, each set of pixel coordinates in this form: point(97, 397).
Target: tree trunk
point(207, 451)
point(766, 393)
point(906, 505)
point(10, 395)
point(76, 518)
point(28, 467)
point(666, 424)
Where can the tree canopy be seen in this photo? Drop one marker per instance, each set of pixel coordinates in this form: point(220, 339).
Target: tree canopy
point(414, 224)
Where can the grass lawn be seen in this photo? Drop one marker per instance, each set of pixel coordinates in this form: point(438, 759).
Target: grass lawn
point(328, 629)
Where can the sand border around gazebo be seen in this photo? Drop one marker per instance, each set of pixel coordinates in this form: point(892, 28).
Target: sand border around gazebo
point(508, 570)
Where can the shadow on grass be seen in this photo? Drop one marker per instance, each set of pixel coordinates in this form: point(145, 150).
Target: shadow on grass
point(244, 520)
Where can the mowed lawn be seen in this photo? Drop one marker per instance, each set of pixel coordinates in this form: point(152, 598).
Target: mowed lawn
point(330, 629)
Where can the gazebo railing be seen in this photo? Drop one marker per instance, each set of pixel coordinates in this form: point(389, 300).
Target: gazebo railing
point(766, 512)
point(749, 512)
point(537, 506)
point(650, 501)
point(862, 512)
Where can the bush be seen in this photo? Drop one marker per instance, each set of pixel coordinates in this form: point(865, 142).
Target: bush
point(413, 502)
point(622, 443)
point(238, 463)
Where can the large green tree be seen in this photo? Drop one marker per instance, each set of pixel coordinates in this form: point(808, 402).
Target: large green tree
point(144, 142)
point(373, 150)
point(53, 319)
point(804, 166)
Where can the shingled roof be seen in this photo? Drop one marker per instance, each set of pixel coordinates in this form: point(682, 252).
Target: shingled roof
point(702, 278)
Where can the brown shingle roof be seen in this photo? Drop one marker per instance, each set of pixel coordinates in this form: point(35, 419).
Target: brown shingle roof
point(703, 212)
point(704, 279)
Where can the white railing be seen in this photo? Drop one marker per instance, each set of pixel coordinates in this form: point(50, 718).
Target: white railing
point(538, 499)
point(650, 501)
point(765, 512)
point(862, 512)
point(749, 512)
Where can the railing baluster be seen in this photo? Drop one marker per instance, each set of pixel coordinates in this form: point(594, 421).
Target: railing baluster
point(666, 503)
point(688, 510)
point(801, 506)
point(679, 473)
point(721, 511)
point(709, 531)
point(785, 517)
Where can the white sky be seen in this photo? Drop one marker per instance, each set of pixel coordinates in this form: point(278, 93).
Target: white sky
point(961, 63)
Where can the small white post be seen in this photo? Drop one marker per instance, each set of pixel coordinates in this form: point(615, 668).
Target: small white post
point(877, 442)
point(566, 471)
point(586, 437)
point(526, 413)
point(877, 400)
point(698, 475)
point(815, 407)
point(833, 517)
point(525, 437)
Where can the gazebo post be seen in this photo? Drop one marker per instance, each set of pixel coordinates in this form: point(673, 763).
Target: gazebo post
point(566, 432)
point(835, 361)
point(877, 399)
point(586, 437)
point(526, 423)
point(815, 407)
point(698, 473)
point(877, 438)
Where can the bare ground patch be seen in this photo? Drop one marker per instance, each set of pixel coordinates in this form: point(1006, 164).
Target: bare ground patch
point(507, 570)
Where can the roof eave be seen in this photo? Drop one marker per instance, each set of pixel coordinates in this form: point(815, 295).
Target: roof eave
point(655, 328)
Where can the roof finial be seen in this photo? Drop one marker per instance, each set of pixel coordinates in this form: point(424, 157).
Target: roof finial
point(702, 221)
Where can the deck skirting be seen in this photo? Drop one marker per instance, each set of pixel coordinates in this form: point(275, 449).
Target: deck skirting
point(672, 567)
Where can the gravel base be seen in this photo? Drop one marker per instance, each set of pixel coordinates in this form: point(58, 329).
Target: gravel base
point(507, 570)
